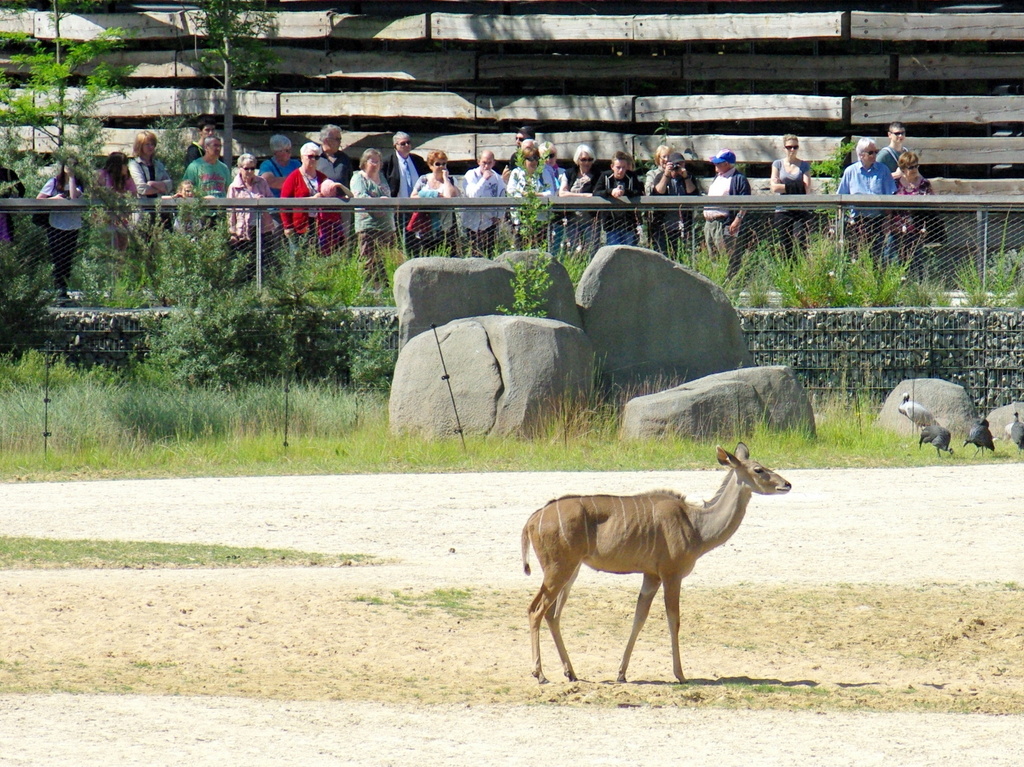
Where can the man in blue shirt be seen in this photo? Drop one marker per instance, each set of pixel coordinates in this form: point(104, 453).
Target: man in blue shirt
point(867, 177)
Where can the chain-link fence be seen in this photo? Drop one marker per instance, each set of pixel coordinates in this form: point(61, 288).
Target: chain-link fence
point(815, 251)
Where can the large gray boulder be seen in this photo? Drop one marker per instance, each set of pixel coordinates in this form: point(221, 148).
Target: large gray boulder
point(948, 402)
point(722, 404)
point(1002, 417)
point(507, 374)
point(651, 319)
point(438, 290)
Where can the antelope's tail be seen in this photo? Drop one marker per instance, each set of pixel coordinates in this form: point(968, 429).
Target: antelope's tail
point(526, 548)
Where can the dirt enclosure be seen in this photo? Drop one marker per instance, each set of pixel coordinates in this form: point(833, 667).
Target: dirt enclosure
point(871, 617)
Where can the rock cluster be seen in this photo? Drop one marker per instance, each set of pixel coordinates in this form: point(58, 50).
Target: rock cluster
point(637, 317)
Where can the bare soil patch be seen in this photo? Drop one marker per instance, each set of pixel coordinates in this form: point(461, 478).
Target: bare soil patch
point(949, 649)
point(888, 591)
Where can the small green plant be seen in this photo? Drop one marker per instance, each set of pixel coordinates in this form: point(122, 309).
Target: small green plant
point(831, 168)
point(531, 283)
point(997, 283)
point(829, 277)
point(715, 266)
point(533, 216)
point(373, 361)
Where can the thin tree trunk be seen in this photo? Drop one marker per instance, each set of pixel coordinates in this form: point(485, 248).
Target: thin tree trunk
point(229, 104)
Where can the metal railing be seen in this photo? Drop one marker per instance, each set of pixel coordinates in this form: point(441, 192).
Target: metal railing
point(965, 245)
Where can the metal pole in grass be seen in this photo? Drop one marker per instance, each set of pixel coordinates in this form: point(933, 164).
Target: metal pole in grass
point(448, 380)
point(287, 389)
point(46, 401)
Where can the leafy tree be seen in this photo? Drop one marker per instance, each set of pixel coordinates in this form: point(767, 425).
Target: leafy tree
point(61, 84)
point(236, 54)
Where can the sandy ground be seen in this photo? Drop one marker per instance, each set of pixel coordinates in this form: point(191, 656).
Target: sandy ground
point(947, 525)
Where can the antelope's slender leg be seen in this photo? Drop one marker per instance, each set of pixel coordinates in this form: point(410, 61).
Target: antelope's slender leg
point(643, 608)
point(672, 589)
point(554, 618)
point(555, 580)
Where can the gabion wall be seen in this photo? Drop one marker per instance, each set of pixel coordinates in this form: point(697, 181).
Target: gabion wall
point(872, 350)
point(833, 351)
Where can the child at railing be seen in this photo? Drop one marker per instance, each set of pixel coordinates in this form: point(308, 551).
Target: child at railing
point(186, 218)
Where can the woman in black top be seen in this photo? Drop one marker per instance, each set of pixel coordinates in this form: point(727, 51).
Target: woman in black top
point(582, 234)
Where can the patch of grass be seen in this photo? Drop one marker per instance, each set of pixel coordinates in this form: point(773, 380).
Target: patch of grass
point(51, 554)
point(457, 602)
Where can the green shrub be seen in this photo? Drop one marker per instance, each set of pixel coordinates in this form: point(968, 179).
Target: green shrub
point(373, 361)
point(24, 296)
point(220, 340)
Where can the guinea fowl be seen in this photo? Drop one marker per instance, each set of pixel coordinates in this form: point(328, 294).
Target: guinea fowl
point(915, 411)
point(1017, 432)
point(938, 436)
point(980, 436)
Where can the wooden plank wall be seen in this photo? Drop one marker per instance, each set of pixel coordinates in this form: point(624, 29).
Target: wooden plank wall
point(464, 81)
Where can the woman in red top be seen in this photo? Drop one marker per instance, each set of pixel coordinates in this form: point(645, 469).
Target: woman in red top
point(302, 182)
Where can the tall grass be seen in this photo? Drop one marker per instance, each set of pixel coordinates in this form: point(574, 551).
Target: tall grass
point(103, 428)
point(93, 410)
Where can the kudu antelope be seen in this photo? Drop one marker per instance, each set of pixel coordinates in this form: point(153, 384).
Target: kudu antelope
point(658, 534)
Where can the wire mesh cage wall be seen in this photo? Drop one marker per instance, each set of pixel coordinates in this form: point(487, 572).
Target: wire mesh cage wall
point(970, 245)
point(846, 352)
point(870, 351)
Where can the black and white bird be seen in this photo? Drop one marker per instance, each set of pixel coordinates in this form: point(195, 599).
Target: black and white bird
point(935, 435)
point(1016, 432)
point(915, 411)
point(980, 436)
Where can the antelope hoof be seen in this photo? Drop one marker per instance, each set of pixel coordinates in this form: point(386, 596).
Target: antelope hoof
point(541, 679)
point(622, 678)
point(571, 676)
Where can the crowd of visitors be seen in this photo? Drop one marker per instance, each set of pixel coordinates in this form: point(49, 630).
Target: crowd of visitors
point(323, 170)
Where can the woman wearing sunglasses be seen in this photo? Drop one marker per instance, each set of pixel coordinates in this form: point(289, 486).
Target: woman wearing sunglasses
point(791, 175)
point(437, 182)
point(249, 185)
point(910, 229)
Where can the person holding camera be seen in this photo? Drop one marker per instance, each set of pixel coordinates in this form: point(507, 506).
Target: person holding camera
point(671, 229)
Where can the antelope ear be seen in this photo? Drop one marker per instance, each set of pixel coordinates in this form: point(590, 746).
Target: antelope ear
point(724, 457)
point(742, 452)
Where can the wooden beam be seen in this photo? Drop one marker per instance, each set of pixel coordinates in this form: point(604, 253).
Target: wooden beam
point(168, 102)
point(981, 186)
point(974, 110)
point(737, 107)
point(583, 68)
point(940, 66)
point(538, 27)
point(392, 65)
point(153, 25)
point(17, 23)
point(737, 26)
point(555, 108)
point(763, 67)
point(866, 25)
point(965, 150)
point(348, 26)
point(750, 149)
point(395, 104)
point(151, 64)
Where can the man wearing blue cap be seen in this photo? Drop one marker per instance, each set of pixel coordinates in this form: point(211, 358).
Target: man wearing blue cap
point(722, 226)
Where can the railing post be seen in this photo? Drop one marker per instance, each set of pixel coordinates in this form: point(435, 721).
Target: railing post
point(259, 251)
point(982, 267)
